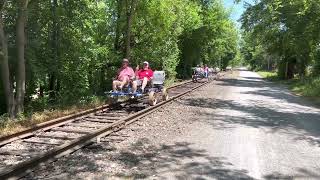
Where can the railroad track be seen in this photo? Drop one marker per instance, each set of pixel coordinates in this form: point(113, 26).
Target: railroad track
point(21, 152)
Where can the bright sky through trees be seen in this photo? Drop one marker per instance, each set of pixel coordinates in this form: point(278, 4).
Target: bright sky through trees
point(236, 9)
point(74, 48)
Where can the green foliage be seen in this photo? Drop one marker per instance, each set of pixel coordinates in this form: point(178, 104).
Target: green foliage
point(269, 75)
point(309, 87)
point(2, 101)
point(285, 36)
point(214, 43)
point(287, 31)
point(157, 28)
point(75, 47)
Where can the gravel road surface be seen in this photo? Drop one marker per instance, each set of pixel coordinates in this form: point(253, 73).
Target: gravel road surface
point(240, 127)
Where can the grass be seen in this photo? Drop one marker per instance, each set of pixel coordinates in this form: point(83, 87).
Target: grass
point(34, 117)
point(9, 126)
point(269, 75)
point(308, 87)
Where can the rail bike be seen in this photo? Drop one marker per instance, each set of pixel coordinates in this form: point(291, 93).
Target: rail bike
point(198, 74)
point(154, 90)
point(214, 73)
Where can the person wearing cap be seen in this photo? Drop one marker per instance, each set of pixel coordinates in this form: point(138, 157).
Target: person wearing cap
point(198, 69)
point(143, 76)
point(124, 76)
point(206, 70)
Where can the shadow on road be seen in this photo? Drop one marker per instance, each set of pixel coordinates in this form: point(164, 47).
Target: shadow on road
point(142, 160)
point(264, 106)
point(257, 115)
point(178, 161)
point(182, 160)
point(303, 174)
point(267, 89)
point(303, 124)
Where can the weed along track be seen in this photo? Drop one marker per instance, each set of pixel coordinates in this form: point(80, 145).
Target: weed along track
point(21, 152)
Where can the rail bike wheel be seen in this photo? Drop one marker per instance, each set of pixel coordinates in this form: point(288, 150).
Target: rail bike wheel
point(218, 77)
point(152, 100)
point(194, 78)
point(112, 100)
point(165, 95)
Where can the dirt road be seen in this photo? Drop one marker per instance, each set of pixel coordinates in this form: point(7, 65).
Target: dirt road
point(260, 130)
point(236, 128)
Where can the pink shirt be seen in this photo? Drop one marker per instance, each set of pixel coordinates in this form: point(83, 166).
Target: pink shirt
point(125, 73)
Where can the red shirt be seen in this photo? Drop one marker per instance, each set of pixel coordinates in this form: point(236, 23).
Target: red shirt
point(145, 73)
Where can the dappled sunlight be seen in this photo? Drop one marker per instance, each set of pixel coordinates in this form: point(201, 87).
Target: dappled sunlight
point(261, 105)
point(179, 160)
point(260, 115)
point(302, 174)
point(277, 100)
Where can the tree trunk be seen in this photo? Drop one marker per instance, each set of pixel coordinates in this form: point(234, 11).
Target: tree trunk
point(303, 65)
point(287, 67)
point(268, 58)
point(118, 26)
point(130, 14)
point(102, 80)
point(52, 81)
point(41, 90)
point(58, 87)
point(21, 78)
point(4, 65)
point(54, 44)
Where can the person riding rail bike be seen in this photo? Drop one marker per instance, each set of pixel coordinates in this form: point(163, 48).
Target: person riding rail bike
point(206, 70)
point(143, 76)
point(124, 77)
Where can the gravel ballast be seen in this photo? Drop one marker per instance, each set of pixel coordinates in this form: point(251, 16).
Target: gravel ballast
point(155, 141)
point(238, 128)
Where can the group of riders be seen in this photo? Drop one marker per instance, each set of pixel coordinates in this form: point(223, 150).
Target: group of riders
point(127, 76)
point(204, 71)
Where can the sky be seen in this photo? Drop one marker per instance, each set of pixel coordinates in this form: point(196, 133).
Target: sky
point(236, 9)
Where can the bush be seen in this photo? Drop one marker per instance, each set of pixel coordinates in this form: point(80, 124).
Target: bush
point(307, 87)
point(269, 75)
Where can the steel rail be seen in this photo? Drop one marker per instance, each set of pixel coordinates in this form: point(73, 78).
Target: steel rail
point(18, 170)
point(58, 122)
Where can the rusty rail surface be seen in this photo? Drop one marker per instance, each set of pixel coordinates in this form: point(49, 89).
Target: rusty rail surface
point(20, 169)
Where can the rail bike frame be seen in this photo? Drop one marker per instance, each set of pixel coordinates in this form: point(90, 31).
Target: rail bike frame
point(198, 76)
point(152, 90)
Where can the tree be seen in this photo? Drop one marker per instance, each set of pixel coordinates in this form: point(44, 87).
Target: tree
point(21, 77)
point(59, 53)
point(287, 29)
point(9, 97)
point(214, 42)
point(130, 9)
point(15, 102)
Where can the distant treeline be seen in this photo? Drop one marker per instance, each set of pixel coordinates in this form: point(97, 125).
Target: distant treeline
point(68, 51)
point(283, 35)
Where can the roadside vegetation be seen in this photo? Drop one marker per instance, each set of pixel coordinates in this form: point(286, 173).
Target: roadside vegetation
point(309, 86)
point(269, 75)
point(34, 116)
point(282, 39)
point(58, 56)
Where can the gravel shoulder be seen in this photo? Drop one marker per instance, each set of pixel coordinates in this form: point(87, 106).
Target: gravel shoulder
point(236, 128)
